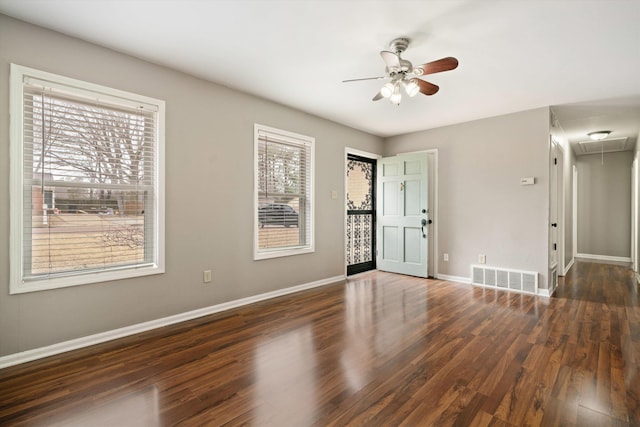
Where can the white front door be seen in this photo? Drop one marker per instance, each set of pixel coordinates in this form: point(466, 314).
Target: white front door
point(403, 214)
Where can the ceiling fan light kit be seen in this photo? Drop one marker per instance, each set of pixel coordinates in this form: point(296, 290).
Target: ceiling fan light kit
point(402, 73)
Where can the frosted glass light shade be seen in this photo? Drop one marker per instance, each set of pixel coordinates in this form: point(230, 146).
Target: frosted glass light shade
point(411, 88)
point(387, 90)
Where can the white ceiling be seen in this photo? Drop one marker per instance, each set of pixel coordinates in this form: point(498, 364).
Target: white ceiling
point(514, 55)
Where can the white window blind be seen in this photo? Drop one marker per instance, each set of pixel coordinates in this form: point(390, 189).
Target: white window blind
point(284, 193)
point(90, 199)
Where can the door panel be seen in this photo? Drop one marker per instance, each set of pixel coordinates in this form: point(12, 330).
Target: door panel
point(412, 199)
point(390, 243)
point(403, 205)
point(412, 242)
point(390, 169)
point(390, 198)
point(412, 167)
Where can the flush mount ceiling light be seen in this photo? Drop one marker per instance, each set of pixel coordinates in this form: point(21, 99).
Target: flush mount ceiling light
point(598, 135)
point(402, 73)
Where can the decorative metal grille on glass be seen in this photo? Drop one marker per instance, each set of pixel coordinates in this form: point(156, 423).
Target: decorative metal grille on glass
point(360, 215)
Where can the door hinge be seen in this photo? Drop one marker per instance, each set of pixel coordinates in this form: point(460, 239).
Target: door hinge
point(555, 160)
point(555, 247)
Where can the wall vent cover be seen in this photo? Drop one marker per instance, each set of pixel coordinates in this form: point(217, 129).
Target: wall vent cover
point(506, 278)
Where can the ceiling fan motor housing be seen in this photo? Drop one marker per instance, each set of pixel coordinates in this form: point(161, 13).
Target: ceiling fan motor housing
point(399, 45)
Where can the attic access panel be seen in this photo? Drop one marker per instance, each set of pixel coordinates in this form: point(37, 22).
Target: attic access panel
point(605, 145)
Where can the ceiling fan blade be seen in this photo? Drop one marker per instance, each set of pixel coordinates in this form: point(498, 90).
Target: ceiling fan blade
point(377, 97)
point(444, 64)
point(391, 59)
point(366, 78)
point(426, 88)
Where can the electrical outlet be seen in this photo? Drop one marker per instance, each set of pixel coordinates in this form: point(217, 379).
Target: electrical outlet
point(206, 276)
point(482, 259)
point(446, 257)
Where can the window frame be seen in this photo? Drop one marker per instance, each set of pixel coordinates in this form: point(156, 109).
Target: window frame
point(309, 247)
point(110, 96)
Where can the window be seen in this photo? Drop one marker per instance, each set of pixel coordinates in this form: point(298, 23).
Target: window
point(86, 182)
point(283, 193)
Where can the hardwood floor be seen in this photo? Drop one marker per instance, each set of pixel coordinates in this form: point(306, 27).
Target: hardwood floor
point(380, 350)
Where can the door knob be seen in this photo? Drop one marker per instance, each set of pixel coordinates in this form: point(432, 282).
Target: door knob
point(554, 224)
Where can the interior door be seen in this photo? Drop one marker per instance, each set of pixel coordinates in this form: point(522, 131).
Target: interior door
point(403, 214)
point(553, 206)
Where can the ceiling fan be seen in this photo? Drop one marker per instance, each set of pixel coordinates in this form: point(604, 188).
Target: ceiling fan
point(402, 73)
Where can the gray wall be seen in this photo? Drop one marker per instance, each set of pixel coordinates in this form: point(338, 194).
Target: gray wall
point(604, 204)
point(209, 190)
point(482, 207)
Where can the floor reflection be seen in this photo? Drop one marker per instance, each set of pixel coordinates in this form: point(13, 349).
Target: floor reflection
point(286, 379)
point(379, 322)
point(136, 409)
point(518, 302)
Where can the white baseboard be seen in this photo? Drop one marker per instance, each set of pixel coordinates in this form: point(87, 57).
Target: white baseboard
point(545, 292)
point(457, 279)
point(604, 257)
point(568, 267)
point(62, 347)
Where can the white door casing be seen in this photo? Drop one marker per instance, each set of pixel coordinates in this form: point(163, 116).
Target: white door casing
point(553, 206)
point(403, 214)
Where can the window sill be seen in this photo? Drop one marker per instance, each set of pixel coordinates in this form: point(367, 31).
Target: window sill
point(279, 253)
point(85, 278)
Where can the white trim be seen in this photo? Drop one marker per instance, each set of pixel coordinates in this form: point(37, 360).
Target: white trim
point(633, 227)
point(568, 267)
point(301, 140)
point(104, 95)
point(604, 257)
point(62, 347)
point(544, 293)
point(575, 211)
point(457, 279)
point(562, 201)
point(360, 153)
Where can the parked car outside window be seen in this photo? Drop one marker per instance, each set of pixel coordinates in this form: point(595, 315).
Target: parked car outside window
point(277, 214)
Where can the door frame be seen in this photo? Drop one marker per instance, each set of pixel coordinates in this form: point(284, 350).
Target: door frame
point(356, 152)
point(561, 209)
point(574, 192)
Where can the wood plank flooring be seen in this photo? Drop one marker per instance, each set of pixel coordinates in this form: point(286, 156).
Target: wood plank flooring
point(378, 350)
